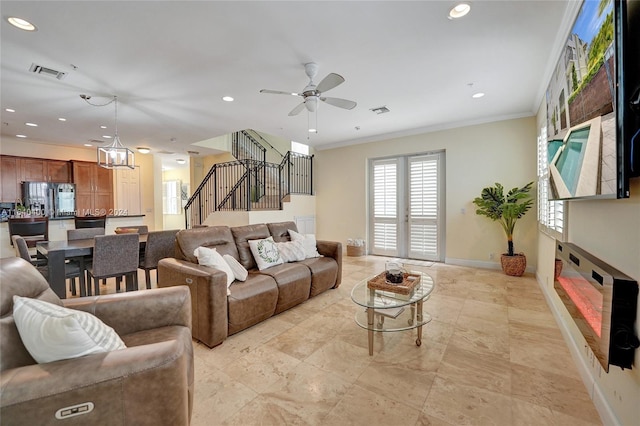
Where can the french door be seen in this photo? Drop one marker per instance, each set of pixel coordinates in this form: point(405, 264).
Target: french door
point(406, 214)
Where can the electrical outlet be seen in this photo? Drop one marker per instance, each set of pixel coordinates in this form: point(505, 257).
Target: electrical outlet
point(490, 255)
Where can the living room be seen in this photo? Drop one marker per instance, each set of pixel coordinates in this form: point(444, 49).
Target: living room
point(501, 149)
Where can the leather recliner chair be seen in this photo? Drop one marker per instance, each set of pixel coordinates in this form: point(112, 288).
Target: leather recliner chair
point(148, 383)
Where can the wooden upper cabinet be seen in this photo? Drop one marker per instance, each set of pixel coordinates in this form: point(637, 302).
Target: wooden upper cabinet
point(9, 179)
point(40, 170)
point(94, 189)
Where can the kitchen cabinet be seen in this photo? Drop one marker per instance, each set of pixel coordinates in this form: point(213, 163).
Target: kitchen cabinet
point(41, 170)
point(94, 189)
point(9, 179)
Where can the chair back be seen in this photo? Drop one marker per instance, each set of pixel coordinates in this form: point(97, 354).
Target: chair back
point(160, 245)
point(90, 221)
point(83, 233)
point(20, 246)
point(115, 254)
point(32, 229)
point(19, 278)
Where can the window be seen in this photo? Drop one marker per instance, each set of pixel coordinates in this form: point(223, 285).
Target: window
point(171, 197)
point(551, 214)
point(300, 148)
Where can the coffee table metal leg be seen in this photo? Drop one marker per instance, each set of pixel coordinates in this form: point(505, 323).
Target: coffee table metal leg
point(370, 317)
point(419, 339)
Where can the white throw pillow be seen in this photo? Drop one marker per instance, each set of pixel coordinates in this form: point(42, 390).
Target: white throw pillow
point(291, 251)
point(308, 242)
point(51, 332)
point(210, 257)
point(239, 271)
point(265, 253)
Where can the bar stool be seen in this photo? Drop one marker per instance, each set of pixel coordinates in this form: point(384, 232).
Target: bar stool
point(114, 256)
point(160, 244)
point(90, 221)
point(32, 229)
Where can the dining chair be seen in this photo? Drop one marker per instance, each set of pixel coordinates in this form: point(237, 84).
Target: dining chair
point(114, 256)
point(90, 221)
point(83, 234)
point(72, 269)
point(32, 229)
point(160, 244)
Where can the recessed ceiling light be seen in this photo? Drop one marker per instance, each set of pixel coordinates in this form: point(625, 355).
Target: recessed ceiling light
point(143, 150)
point(21, 136)
point(10, 110)
point(87, 144)
point(459, 11)
point(21, 23)
point(103, 127)
point(313, 131)
point(62, 119)
point(31, 124)
point(180, 161)
point(227, 98)
point(106, 136)
point(477, 95)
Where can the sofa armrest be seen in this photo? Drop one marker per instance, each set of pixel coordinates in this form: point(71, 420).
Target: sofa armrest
point(146, 384)
point(332, 249)
point(138, 310)
point(208, 287)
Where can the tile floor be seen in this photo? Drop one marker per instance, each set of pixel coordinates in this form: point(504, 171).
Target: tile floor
point(492, 355)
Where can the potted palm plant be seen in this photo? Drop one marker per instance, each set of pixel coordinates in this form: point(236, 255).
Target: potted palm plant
point(506, 209)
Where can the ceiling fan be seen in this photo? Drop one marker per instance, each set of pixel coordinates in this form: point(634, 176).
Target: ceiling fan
point(312, 93)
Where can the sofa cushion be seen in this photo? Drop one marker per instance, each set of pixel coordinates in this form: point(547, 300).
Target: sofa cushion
point(280, 230)
point(291, 251)
point(210, 257)
point(308, 241)
point(51, 332)
point(294, 283)
point(324, 272)
point(242, 235)
point(265, 253)
point(239, 272)
point(251, 301)
point(187, 240)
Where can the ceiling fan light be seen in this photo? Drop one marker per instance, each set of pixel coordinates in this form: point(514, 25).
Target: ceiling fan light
point(311, 103)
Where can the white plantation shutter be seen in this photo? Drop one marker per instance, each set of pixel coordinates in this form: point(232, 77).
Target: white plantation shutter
point(551, 214)
point(423, 207)
point(385, 206)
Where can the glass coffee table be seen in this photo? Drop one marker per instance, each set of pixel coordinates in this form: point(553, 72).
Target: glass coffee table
point(388, 311)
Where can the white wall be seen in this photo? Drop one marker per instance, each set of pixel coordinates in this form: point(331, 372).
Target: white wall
point(476, 156)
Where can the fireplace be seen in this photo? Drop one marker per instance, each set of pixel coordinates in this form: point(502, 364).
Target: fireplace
point(602, 302)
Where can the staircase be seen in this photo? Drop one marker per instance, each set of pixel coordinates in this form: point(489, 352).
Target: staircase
point(249, 183)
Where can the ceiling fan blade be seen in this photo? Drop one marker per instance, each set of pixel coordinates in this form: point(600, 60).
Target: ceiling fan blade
point(340, 103)
point(279, 92)
point(329, 82)
point(296, 110)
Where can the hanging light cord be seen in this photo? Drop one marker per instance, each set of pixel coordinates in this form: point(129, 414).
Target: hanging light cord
point(87, 98)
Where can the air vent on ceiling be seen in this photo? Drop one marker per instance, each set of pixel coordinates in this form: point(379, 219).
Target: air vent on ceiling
point(380, 110)
point(166, 152)
point(39, 69)
point(193, 152)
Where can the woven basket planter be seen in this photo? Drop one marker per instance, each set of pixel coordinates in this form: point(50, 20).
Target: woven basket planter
point(514, 265)
point(355, 250)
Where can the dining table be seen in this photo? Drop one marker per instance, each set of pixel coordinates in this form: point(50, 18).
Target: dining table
point(58, 252)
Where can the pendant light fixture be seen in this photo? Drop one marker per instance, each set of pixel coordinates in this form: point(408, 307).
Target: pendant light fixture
point(115, 155)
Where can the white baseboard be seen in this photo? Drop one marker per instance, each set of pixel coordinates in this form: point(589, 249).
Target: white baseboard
point(480, 264)
point(607, 415)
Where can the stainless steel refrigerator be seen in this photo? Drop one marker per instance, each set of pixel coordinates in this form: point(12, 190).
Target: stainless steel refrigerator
point(49, 198)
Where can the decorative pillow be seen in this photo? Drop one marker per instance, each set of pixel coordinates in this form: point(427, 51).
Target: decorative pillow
point(238, 270)
point(51, 332)
point(291, 251)
point(308, 242)
point(210, 257)
point(265, 253)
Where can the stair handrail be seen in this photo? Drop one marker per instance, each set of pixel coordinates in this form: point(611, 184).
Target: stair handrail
point(264, 141)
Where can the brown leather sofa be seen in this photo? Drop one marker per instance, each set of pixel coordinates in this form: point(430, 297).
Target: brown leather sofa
point(148, 383)
point(264, 294)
